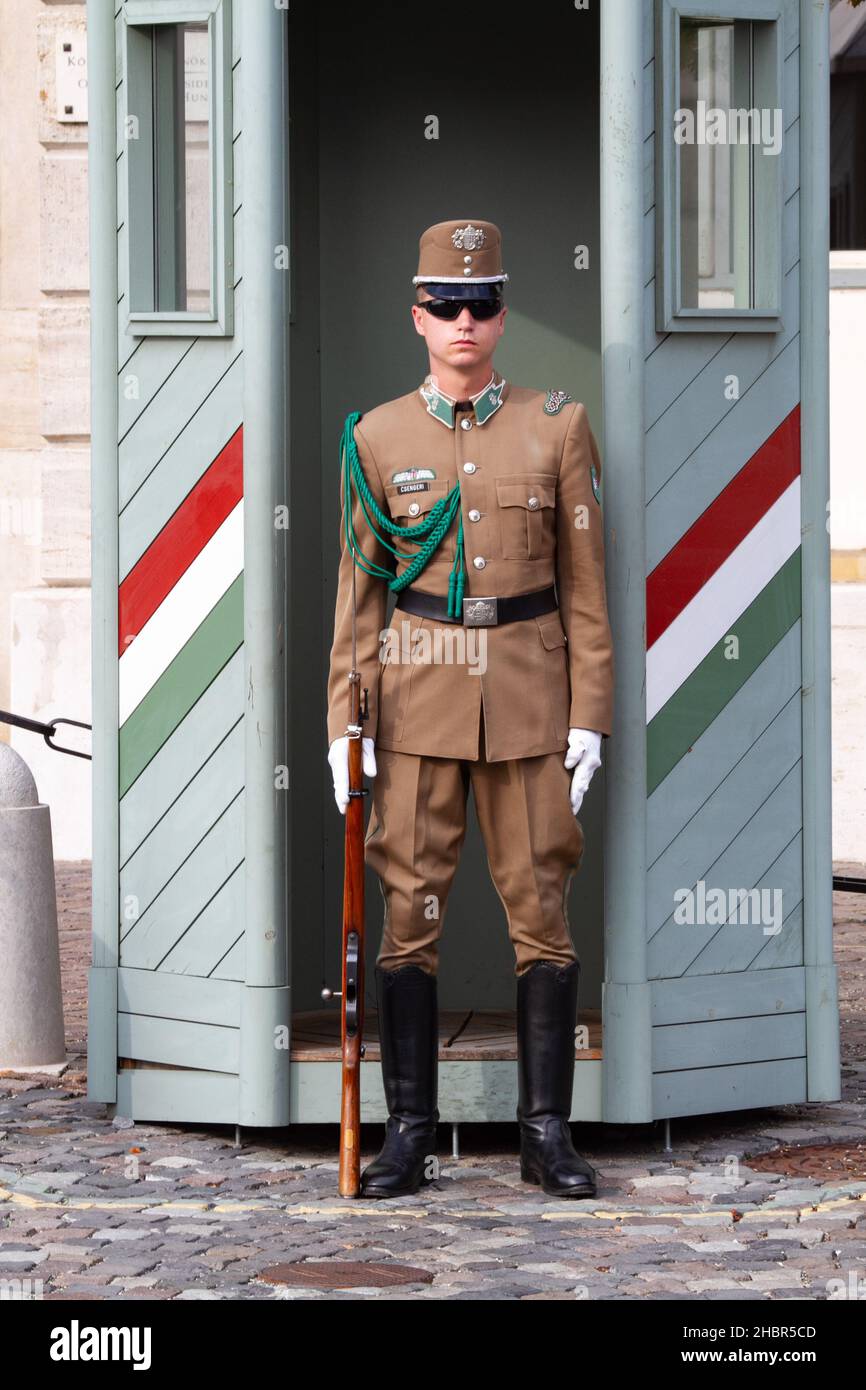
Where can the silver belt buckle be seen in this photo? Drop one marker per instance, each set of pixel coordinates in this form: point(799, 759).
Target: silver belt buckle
point(480, 612)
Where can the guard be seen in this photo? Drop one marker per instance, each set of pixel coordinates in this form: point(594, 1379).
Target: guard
point(477, 502)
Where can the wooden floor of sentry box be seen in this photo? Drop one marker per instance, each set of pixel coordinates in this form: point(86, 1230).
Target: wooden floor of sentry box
point(477, 1067)
point(465, 1035)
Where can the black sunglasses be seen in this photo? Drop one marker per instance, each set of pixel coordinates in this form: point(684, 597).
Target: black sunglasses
point(451, 308)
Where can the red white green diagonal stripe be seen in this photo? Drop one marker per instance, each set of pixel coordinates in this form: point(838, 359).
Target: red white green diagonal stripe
point(734, 572)
point(181, 611)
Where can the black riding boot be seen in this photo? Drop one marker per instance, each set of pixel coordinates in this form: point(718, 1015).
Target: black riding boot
point(546, 1018)
point(409, 1039)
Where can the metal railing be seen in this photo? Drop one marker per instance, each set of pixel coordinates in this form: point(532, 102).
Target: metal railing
point(47, 731)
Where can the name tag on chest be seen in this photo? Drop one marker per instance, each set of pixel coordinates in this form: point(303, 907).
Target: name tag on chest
point(413, 487)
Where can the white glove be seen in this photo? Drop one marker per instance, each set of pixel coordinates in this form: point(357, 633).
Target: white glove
point(583, 751)
point(338, 757)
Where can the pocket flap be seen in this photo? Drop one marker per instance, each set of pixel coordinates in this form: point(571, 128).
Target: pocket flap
point(525, 492)
point(552, 631)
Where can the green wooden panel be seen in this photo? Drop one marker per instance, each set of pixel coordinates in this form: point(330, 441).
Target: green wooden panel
point(681, 794)
point(174, 837)
point(724, 812)
point(237, 81)
point(715, 680)
point(101, 1032)
point(232, 965)
point(179, 423)
point(675, 947)
point(723, 1042)
point(213, 943)
point(181, 684)
point(152, 935)
point(790, 236)
point(196, 737)
point(118, 45)
point(682, 427)
point(237, 192)
point(239, 226)
point(179, 1097)
point(176, 1042)
point(703, 998)
point(711, 1090)
point(172, 996)
point(735, 946)
point(145, 371)
point(788, 947)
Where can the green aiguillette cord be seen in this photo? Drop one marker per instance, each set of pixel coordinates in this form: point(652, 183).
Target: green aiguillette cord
point(427, 535)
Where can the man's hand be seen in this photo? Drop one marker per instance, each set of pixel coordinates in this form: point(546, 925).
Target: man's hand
point(583, 751)
point(338, 757)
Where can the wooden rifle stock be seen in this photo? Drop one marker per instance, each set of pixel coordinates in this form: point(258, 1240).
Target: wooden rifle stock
point(352, 999)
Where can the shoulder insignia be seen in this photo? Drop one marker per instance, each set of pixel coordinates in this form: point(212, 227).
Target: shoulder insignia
point(594, 476)
point(555, 401)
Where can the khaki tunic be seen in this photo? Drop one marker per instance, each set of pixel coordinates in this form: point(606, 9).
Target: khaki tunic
point(530, 519)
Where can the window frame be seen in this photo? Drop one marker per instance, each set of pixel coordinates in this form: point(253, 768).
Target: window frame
point(767, 209)
point(137, 63)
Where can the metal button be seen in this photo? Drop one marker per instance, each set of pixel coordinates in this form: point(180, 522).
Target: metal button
point(479, 562)
point(469, 468)
point(466, 424)
point(468, 260)
point(414, 508)
point(532, 502)
point(475, 515)
point(467, 270)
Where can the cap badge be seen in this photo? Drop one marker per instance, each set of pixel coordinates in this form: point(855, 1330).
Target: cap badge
point(555, 401)
point(468, 238)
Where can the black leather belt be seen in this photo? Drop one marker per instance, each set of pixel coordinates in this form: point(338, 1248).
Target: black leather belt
point(482, 611)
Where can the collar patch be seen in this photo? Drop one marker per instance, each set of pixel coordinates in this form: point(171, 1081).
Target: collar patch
point(441, 406)
point(489, 401)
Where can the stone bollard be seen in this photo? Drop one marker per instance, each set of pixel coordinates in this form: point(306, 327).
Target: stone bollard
point(31, 1003)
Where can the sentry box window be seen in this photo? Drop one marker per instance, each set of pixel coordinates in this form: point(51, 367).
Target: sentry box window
point(176, 131)
point(719, 143)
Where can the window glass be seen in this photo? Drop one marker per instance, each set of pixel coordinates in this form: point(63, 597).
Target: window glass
point(197, 166)
point(171, 222)
point(717, 127)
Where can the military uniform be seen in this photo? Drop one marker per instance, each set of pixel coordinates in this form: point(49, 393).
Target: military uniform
point(480, 701)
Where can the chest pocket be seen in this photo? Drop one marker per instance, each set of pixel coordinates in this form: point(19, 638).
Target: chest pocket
point(527, 512)
point(409, 508)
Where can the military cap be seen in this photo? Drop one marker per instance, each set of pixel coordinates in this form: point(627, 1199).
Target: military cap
point(461, 259)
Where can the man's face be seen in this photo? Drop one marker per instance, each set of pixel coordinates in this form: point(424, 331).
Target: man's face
point(460, 342)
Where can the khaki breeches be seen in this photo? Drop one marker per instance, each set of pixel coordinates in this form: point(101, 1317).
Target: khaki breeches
point(417, 826)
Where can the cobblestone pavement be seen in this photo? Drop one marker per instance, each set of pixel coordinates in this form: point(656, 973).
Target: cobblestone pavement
point(97, 1209)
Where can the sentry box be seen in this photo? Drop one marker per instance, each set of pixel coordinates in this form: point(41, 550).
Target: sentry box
point(259, 178)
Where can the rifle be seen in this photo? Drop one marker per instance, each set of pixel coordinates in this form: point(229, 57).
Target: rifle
point(352, 1009)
